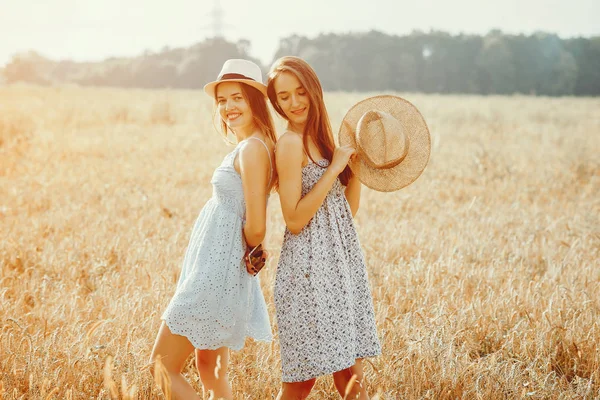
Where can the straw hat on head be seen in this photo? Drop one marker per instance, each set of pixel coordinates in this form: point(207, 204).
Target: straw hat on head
point(237, 70)
point(391, 140)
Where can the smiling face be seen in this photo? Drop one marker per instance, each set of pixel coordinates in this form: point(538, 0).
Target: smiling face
point(293, 99)
point(233, 107)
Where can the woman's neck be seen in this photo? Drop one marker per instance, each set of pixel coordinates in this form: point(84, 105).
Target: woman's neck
point(242, 134)
point(296, 128)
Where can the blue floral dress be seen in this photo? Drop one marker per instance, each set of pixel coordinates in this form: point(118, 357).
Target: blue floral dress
point(323, 301)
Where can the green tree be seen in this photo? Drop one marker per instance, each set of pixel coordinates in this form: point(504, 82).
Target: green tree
point(496, 69)
point(586, 54)
point(27, 67)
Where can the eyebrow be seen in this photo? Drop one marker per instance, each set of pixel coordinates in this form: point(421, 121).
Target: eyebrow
point(284, 91)
point(233, 94)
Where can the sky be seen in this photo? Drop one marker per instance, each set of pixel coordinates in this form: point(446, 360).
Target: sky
point(85, 30)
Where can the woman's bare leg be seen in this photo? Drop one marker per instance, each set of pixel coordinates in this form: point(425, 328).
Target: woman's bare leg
point(173, 351)
point(295, 390)
point(212, 366)
point(342, 379)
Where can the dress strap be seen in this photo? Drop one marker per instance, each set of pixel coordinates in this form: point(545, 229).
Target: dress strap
point(270, 161)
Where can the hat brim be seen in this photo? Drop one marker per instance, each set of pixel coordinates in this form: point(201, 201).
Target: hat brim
point(209, 88)
point(406, 172)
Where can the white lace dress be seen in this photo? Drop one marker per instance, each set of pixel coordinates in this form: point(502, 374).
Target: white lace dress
point(323, 300)
point(217, 303)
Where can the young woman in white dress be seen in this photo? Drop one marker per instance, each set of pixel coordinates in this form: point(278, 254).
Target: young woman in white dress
point(218, 300)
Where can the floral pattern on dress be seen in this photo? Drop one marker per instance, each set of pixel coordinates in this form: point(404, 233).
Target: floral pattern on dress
point(323, 300)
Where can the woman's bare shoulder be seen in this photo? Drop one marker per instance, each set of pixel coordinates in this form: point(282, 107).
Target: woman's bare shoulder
point(289, 141)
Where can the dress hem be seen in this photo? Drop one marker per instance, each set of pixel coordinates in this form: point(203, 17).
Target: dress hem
point(216, 346)
point(329, 371)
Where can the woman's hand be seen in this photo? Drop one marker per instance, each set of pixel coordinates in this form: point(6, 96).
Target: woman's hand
point(341, 156)
point(255, 259)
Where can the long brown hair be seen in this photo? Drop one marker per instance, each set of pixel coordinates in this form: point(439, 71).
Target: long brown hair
point(261, 116)
point(318, 127)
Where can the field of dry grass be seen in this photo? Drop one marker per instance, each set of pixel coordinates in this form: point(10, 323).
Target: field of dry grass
point(485, 272)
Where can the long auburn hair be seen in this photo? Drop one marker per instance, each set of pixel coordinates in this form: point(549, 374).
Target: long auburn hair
point(318, 127)
point(261, 116)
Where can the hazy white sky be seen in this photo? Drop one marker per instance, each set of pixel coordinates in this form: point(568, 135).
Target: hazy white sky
point(94, 30)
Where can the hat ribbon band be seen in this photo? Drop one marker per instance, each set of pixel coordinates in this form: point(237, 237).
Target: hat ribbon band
point(391, 164)
point(235, 76)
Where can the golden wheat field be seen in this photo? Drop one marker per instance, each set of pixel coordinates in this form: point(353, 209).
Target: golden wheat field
point(485, 272)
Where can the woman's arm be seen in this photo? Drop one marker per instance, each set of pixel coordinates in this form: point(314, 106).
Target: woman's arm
point(352, 193)
point(254, 169)
point(297, 210)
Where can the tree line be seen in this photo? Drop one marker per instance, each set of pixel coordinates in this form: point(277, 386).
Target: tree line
point(434, 62)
